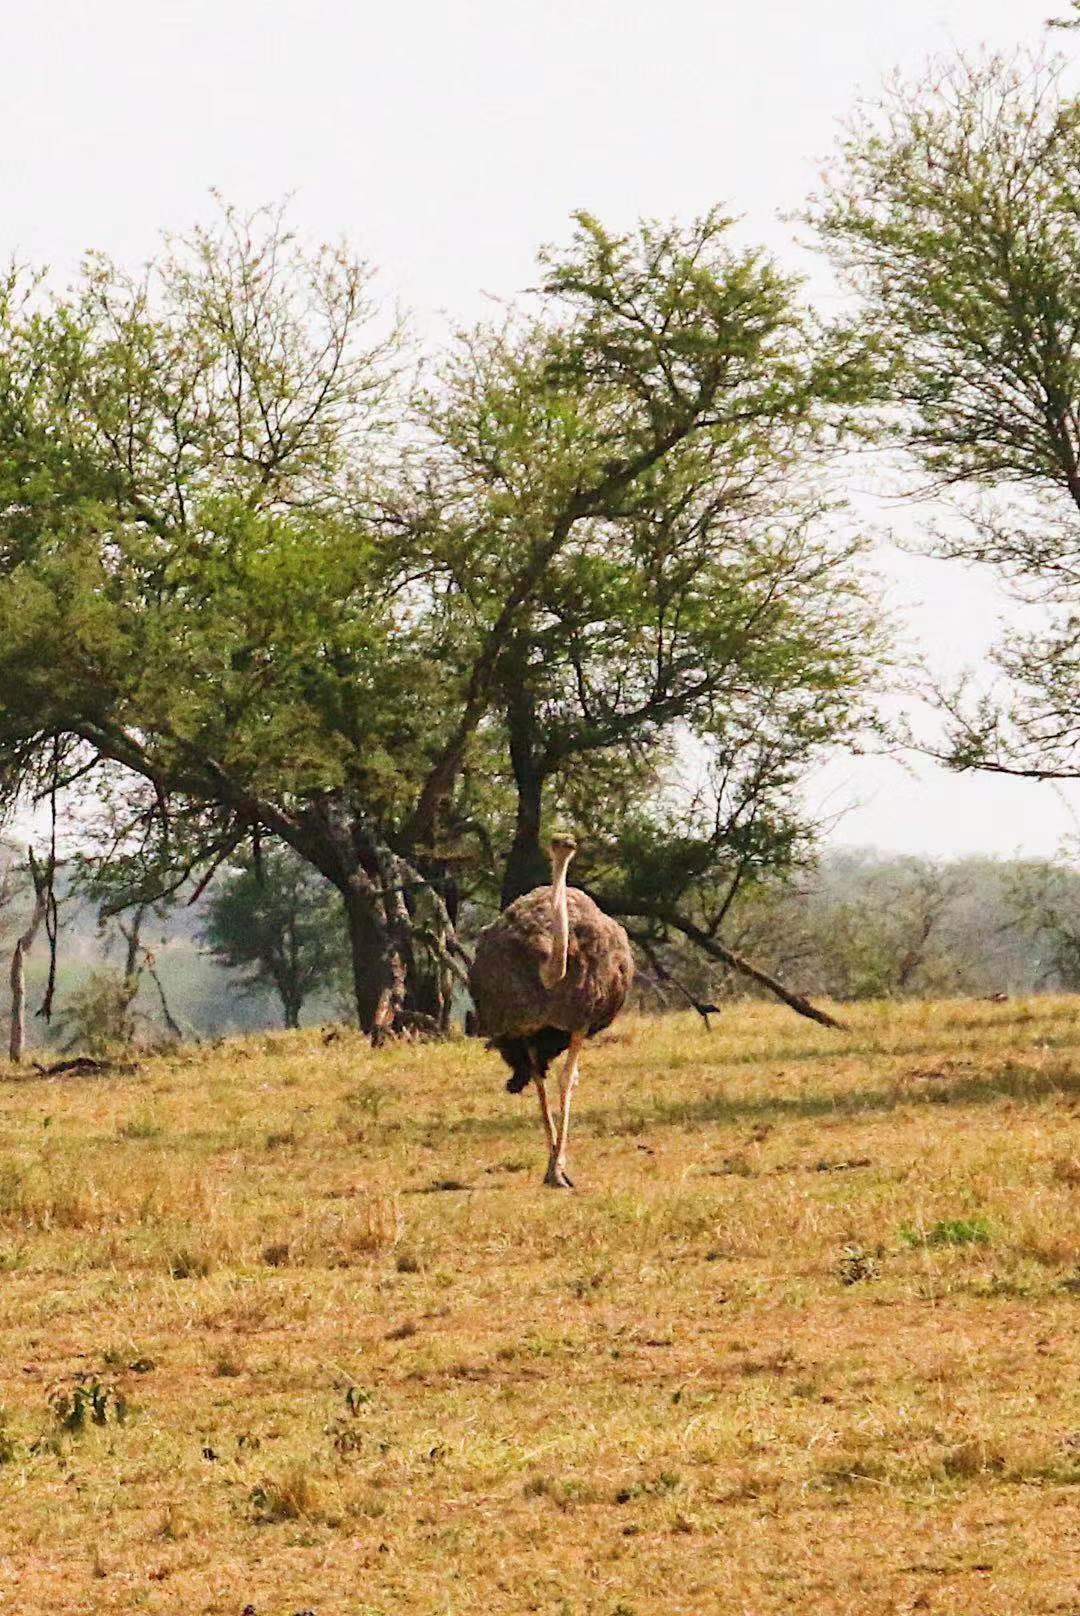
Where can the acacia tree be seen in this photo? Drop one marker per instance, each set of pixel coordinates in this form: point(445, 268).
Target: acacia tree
point(649, 440)
point(1044, 908)
point(218, 607)
point(873, 928)
point(192, 601)
point(954, 212)
point(273, 919)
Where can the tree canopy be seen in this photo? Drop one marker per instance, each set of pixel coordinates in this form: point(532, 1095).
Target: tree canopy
point(953, 210)
point(273, 919)
point(641, 453)
point(254, 587)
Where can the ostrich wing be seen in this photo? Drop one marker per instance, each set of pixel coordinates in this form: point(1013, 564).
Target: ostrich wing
point(505, 980)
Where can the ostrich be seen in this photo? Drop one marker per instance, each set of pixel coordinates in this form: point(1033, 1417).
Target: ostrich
point(549, 973)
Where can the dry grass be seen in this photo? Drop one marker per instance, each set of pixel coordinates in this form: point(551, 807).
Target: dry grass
point(297, 1327)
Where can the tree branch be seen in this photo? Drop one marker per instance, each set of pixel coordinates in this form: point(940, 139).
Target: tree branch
point(649, 950)
point(795, 1001)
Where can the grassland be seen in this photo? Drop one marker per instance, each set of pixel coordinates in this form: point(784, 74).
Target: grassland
point(291, 1326)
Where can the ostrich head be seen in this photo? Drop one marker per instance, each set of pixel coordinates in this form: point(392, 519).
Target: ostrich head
point(562, 847)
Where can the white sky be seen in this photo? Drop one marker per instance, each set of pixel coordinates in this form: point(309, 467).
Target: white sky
point(448, 140)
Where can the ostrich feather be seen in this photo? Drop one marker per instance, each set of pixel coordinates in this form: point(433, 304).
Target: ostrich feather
point(517, 1013)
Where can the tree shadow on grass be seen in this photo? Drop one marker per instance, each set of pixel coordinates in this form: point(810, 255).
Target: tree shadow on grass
point(1012, 1082)
point(876, 1049)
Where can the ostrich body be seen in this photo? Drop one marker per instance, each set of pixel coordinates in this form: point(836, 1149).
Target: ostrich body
point(549, 973)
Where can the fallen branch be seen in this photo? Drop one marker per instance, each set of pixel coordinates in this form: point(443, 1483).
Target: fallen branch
point(727, 956)
point(83, 1066)
point(795, 1001)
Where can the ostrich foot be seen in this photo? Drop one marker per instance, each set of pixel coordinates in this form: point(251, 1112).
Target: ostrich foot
point(557, 1178)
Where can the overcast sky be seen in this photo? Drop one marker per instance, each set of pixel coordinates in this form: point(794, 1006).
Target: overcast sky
point(449, 140)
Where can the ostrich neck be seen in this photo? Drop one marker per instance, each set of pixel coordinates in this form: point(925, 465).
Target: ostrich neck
point(554, 969)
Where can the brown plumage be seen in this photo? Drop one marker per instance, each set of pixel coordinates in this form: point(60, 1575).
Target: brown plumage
point(552, 971)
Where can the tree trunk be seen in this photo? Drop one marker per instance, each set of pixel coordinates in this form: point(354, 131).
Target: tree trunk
point(23, 946)
point(132, 935)
point(134, 967)
point(378, 971)
point(526, 866)
point(388, 945)
point(281, 970)
point(424, 991)
point(170, 1020)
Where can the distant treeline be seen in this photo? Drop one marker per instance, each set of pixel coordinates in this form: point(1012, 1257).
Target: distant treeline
point(863, 924)
point(109, 991)
point(860, 924)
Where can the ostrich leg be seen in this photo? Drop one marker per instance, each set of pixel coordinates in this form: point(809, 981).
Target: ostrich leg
point(545, 1109)
point(556, 1174)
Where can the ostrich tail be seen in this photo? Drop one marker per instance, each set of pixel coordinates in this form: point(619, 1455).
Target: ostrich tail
point(530, 1057)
